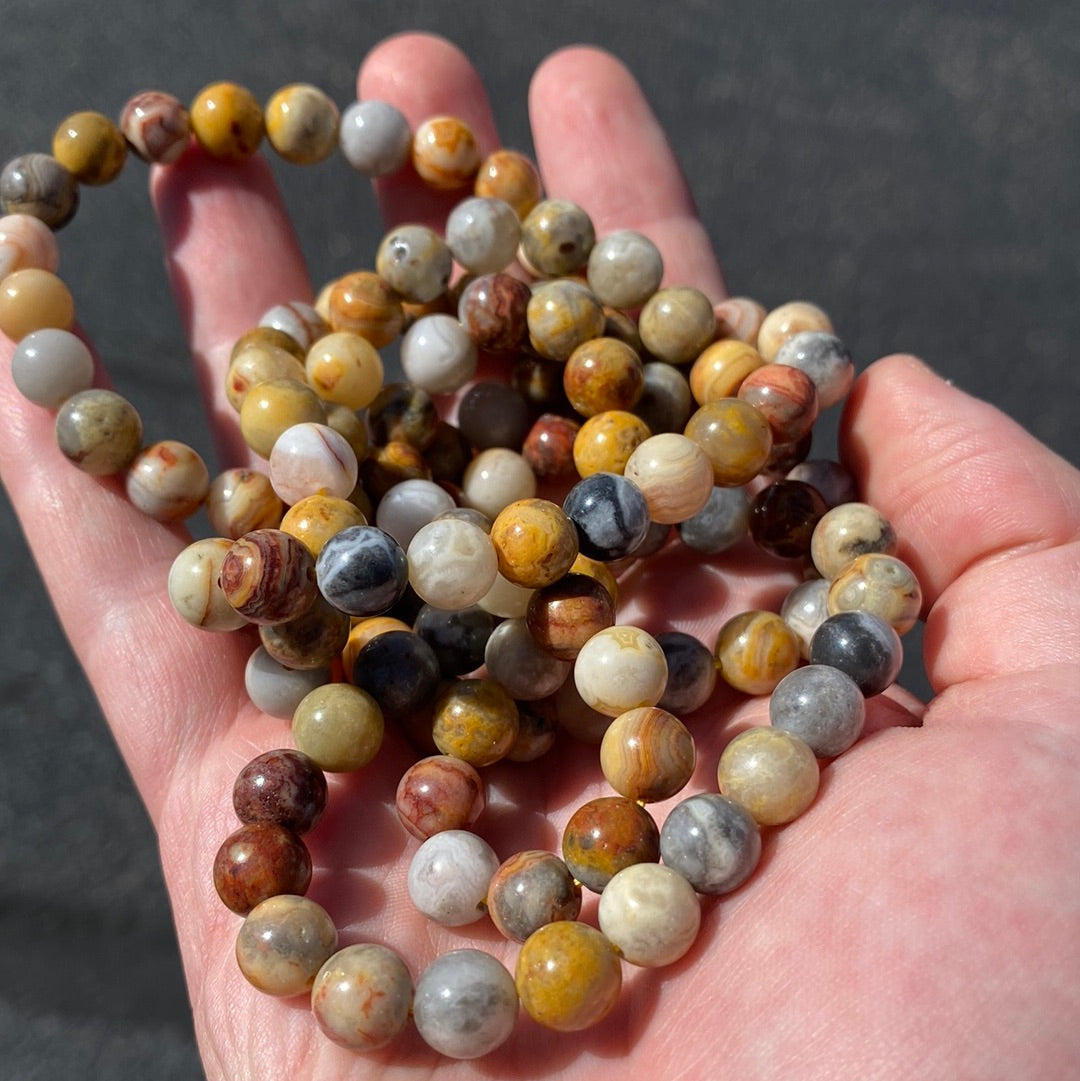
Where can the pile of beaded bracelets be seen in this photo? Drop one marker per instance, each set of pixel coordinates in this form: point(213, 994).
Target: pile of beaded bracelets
point(474, 614)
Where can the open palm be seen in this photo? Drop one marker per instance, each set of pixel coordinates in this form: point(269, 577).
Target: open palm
point(920, 920)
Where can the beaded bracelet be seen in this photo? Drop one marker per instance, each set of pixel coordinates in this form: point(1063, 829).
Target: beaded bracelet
point(476, 615)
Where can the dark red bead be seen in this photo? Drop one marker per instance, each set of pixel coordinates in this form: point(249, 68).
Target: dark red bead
point(284, 787)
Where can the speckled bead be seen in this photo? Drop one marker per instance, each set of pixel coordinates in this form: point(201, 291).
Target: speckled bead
point(848, 531)
point(561, 315)
point(516, 660)
point(281, 786)
point(511, 176)
point(403, 413)
point(720, 524)
point(50, 365)
point(735, 438)
point(564, 615)
point(400, 671)
point(822, 706)
point(26, 241)
point(444, 153)
point(607, 439)
point(375, 138)
point(647, 754)
point(603, 374)
point(339, 727)
point(804, 609)
point(495, 478)
point(783, 517)
point(362, 570)
point(240, 500)
point(168, 481)
point(772, 773)
point(283, 943)
point(824, 358)
point(275, 689)
point(157, 126)
point(267, 576)
point(302, 124)
point(98, 431)
point(475, 720)
point(38, 185)
point(620, 668)
point(650, 914)
point(194, 590)
point(529, 890)
point(611, 515)
point(568, 976)
point(676, 324)
point(720, 369)
point(755, 650)
point(449, 877)
point(556, 238)
point(465, 1004)
point(227, 121)
point(362, 996)
point(624, 269)
point(785, 322)
point(691, 672)
point(415, 262)
point(313, 639)
point(881, 584)
point(33, 299)
point(739, 317)
point(363, 303)
point(712, 841)
point(549, 446)
point(534, 541)
point(439, 793)
point(674, 474)
point(861, 644)
point(90, 146)
point(257, 861)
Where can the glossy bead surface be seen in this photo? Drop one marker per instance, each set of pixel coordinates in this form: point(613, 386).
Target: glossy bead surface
point(568, 976)
point(345, 368)
point(283, 943)
point(409, 506)
point(822, 706)
point(691, 672)
point(624, 269)
point(511, 176)
point(674, 475)
point(168, 481)
point(785, 396)
point(549, 446)
point(267, 576)
point(666, 403)
point(457, 636)
point(452, 563)
point(240, 500)
point(650, 914)
point(561, 315)
point(302, 124)
point(227, 121)
point(282, 786)
point(804, 609)
point(495, 478)
point(515, 659)
point(861, 644)
point(314, 519)
point(620, 668)
point(439, 793)
point(881, 584)
point(603, 374)
point(556, 238)
point(194, 590)
point(449, 876)
point(363, 303)
point(362, 996)
point(444, 153)
point(465, 1004)
point(38, 185)
point(824, 358)
point(26, 241)
point(493, 310)
point(438, 355)
point(735, 438)
point(483, 234)
point(505, 599)
point(755, 650)
point(831, 479)
point(278, 690)
point(309, 459)
point(475, 720)
point(98, 431)
point(783, 517)
point(313, 639)
point(720, 369)
point(712, 841)
point(739, 317)
point(493, 414)
point(157, 126)
point(564, 615)
point(676, 324)
point(50, 365)
point(772, 773)
point(271, 407)
point(339, 727)
point(647, 754)
point(375, 138)
point(399, 670)
point(296, 318)
point(33, 299)
point(606, 440)
point(848, 531)
point(605, 835)
point(535, 542)
point(415, 262)
point(785, 322)
point(720, 524)
point(362, 570)
point(257, 861)
point(90, 146)
point(529, 890)
point(258, 362)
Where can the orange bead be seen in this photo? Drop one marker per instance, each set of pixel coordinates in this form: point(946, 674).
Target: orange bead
point(603, 374)
point(512, 177)
point(606, 441)
point(363, 303)
point(90, 146)
point(33, 299)
point(444, 153)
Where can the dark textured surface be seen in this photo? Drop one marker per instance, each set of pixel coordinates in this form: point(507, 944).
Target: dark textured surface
point(911, 168)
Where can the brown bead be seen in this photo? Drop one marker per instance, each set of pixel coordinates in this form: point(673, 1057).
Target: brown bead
point(647, 754)
point(260, 860)
point(284, 787)
point(38, 185)
point(564, 615)
point(241, 500)
point(735, 437)
point(314, 639)
point(492, 309)
point(283, 943)
point(549, 446)
point(363, 303)
point(439, 793)
point(157, 126)
point(402, 413)
point(783, 517)
point(268, 576)
point(512, 177)
point(786, 397)
point(605, 835)
point(529, 890)
point(603, 374)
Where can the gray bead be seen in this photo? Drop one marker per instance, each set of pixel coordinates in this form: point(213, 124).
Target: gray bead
point(50, 365)
point(362, 571)
point(721, 523)
point(277, 690)
point(824, 358)
point(822, 706)
point(375, 138)
point(625, 269)
point(692, 672)
point(712, 841)
point(99, 431)
point(862, 645)
point(38, 185)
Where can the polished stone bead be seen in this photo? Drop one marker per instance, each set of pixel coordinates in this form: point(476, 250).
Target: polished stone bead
point(605, 835)
point(549, 446)
point(561, 315)
point(437, 354)
point(492, 414)
point(647, 754)
point(278, 690)
point(375, 138)
point(362, 570)
point(674, 474)
point(298, 319)
point(458, 636)
point(493, 308)
point(831, 479)
point(824, 358)
point(739, 317)
point(363, 303)
point(861, 644)
point(505, 599)
point(650, 914)
point(267, 576)
point(362, 996)
point(535, 542)
point(735, 438)
point(822, 706)
point(495, 478)
point(240, 500)
point(676, 324)
point(785, 322)
point(313, 639)
point(511, 176)
point(227, 121)
point(529, 890)
point(401, 413)
point(607, 439)
point(556, 238)
point(575, 716)
point(624, 269)
point(345, 368)
point(783, 517)
point(99, 431)
point(439, 793)
point(449, 877)
point(881, 584)
point(847, 531)
point(445, 153)
point(415, 262)
point(168, 481)
point(314, 519)
point(257, 861)
point(755, 650)
point(712, 841)
point(804, 609)
point(538, 728)
point(339, 727)
point(720, 524)
point(271, 407)
point(568, 976)
point(283, 943)
point(302, 124)
point(258, 363)
point(603, 374)
point(483, 234)
point(611, 515)
point(786, 397)
point(691, 672)
point(157, 126)
point(516, 660)
point(282, 786)
point(565, 614)
point(772, 773)
point(620, 668)
point(38, 185)
point(194, 590)
point(720, 368)
point(409, 506)
point(399, 670)
point(50, 365)
point(90, 146)
point(452, 563)
point(465, 1004)
point(33, 299)
point(26, 241)
point(666, 403)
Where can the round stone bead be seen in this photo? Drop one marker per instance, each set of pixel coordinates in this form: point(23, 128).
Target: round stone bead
point(804, 609)
point(439, 793)
point(605, 835)
point(278, 690)
point(568, 976)
point(822, 706)
point(403, 413)
point(227, 121)
point(314, 519)
point(848, 531)
point(447, 455)
point(445, 153)
point(375, 138)
point(33, 299)
point(388, 465)
point(409, 506)
point(534, 541)
point(676, 324)
point(298, 319)
point(512, 177)
point(755, 650)
point(302, 124)
point(38, 185)
point(529, 890)
point(99, 431)
point(26, 241)
point(607, 439)
point(720, 524)
point(786, 397)
point(556, 238)
point(399, 670)
point(674, 474)
point(735, 438)
point(168, 481)
point(267, 576)
point(362, 570)
point(260, 860)
point(785, 322)
point(50, 365)
point(465, 1004)
point(313, 639)
point(650, 914)
point(538, 727)
point(449, 877)
point(194, 590)
point(363, 303)
point(90, 146)
point(493, 310)
point(495, 478)
point(881, 584)
point(712, 841)
point(561, 315)
point(339, 727)
point(415, 262)
point(156, 125)
point(281, 786)
point(721, 368)
point(603, 374)
point(256, 363)
point(624, 269)
point(772, 773)
point(492, 414)
point(283, 943)
point(691, 672)
point(647, 754)
point(824, 358)
point(861, 644)
point(549, 446)
point(452, 563)
point(362, 996)
point(666, 403)
point(620, 668)
point(483, 234)
point(240, 500)
point(362, 631)
point(831, 479)
point(273, 406)
point(438, 355)
point(783, 517)
point(516, 660)
point(564, 615)
point(578, 718)
point(505, 599)
point(475, 720)
point(739, 317)
point(344, 368)
point(458, 636)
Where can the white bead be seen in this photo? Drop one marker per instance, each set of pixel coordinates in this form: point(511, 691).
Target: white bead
point(506, 599)
point(452, 563)
point(483, 234)
point(437, 354)
point(620, 668)
point(297, 319)
point(495, 478)
point(449, 877)
point(312, 459)
point(409, 505)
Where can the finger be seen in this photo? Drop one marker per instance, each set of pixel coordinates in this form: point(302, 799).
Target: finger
point(424, 76)
point(599, 144)
point(986, 515)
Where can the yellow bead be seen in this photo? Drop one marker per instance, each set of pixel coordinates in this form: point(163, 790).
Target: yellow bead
point(345, 368)
point(444, 153)
point(227, 121)
point(720, 369)
point(772, 773)
point(568, 976)
point(33, 299)
point(339, 726)
point(647, 754)
point(302, 124)
point(475, 720)
point(90, 146)
point(755, 650)
point(735, 437)
point(258, 363)
point(316, 518)
point(535, 542)
point(606, 441)
point(271, 407)
point(363, 303)
point(512, 177)
point(788, 320)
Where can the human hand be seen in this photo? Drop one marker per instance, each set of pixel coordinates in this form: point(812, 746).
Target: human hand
point(873, 917)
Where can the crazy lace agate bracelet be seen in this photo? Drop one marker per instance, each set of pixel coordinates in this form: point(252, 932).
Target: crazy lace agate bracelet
point(404, 570)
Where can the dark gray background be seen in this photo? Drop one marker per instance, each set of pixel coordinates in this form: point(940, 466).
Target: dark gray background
point(913, 168)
